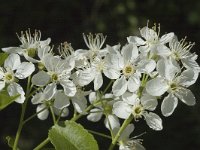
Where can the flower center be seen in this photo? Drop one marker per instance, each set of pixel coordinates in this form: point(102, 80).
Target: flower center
point(137, 111)
point(173, 86)
point(9, 77)
point(41, 66)
point(54, 77)
point(128, 70)
point(107, 109)
point(31, 52)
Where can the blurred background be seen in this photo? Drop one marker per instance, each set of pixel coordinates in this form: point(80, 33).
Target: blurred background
point(66, 20)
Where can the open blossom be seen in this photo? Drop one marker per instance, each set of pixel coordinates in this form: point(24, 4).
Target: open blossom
point(132, 105)
point(58, 71)
point(125, 68)
point(151, 41)
point(31, 45)
point(180, 51)
point(174, 82)
point(13, 70)
point(104, 108)
point(127, 143)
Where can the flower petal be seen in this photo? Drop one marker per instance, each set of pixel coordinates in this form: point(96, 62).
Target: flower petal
point(136, 40)
point(12, 62)
point(146, 66)
point(153, 121)
point(188, 77)
point(43, 114)
point(166, 38)
point(122, 109)
point(186, 96)
point(98, 81)
point(2, 85)
point(24, 70)
point(61, 100)
point(149, 102)
point(79, 104)
point(15, 89)
point(95, 115)
point(129, 52)
point(13, 50)
point(127, 132)
point(130, 98)
point(133, 84)
point(119, 86)
point(49, 91)
point(69, 87)
point(40, 79)
point(157, 86)
point(168, 105)
point(113, 121)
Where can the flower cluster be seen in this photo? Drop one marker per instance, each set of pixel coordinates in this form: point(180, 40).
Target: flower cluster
point(125, 81)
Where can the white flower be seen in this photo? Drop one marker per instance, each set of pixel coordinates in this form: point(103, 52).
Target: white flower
point(132, 105)
point(127, 143)
point(94, 43)
point(30, 45)
point(171, 81)
point(58, 71)
point(180, 51)
point(104, 108)
point(13, 70)
point(152, 42)
point(123, 68)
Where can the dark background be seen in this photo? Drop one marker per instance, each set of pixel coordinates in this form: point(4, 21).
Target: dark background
point(65, 20)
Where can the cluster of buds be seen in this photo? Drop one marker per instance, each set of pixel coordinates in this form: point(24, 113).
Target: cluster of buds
point(141, 72)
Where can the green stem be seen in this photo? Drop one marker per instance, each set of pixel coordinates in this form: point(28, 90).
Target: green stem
point(34, 115)
point(42, 144)
point(80, 115)
point(53, 115)
point(107, 87)
point(124, 125)
point(20, 126)
point(100, 134)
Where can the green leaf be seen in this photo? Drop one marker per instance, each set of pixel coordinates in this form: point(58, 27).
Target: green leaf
point(3, 57)
point(72, 136)
point(6, 99)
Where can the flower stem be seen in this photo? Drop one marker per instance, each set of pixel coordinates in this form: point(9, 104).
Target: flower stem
point(100, 134)
point(22, 115)
point(42, 144)
point(124, 125)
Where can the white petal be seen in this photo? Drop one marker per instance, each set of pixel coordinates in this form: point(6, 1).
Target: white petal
point(38, 98)
point(136, 40)
point(15, 89)
point(13, 50)
point(40, 79)
point(2, 85)
point(79, 104)
point(69, 87)
point(133, 84)
point(24, 70)
point(44, 114)
point(167, 68)
point(157, 87)
point(129, 52)
point(49, 91)
point(153, 121)
point(86, 76)
point(95, 115)
point(12, 61)
point(45, 42)
point(168, 105)
point(146, 66)
point(65, 111)
point(111, 73)
point(119, 86)
point(149, 102)
point(162, 50)
point(190, 62)
point(186, 96)
point(166, 38)
point(122, 109)
point(113, 121)
point(188, 77)
point(130, 98)
point(92, 97)
point(127, 132)
point(61, 100)
point(98, 81)
point(148, 34)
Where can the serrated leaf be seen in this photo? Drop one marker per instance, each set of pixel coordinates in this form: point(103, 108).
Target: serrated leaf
point(72, 136)
point(6, 99)
point(3, 57)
